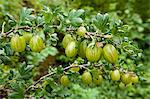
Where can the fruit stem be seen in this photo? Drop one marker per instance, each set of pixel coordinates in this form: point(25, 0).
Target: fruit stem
point(114, 66)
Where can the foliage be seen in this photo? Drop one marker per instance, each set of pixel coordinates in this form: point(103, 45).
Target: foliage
point(29, 74)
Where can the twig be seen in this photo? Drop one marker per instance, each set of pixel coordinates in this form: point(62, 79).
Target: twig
point(17, 28)
point(43, 77)
point(92, 33)
point(81, 66)
point(98, 65)
point(98, 35)
point(55, 26)
point(71, 29)
point(66, 68)
point(38, 81)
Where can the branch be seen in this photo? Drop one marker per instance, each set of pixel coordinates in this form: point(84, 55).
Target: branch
point(43, 77)
point(16, 28)
point(38, 81)
point(71, 29)
point(89, 34)
point(72, 65)
point(66, 68)
point(99, 35)
point(23, 27)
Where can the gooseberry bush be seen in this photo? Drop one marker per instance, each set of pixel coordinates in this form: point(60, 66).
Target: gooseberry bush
point(57, 53)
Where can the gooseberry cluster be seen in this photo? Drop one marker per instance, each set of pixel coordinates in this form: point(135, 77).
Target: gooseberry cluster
point(18, 43)
point(85, 49)
point(93, 53)
point(115, 75)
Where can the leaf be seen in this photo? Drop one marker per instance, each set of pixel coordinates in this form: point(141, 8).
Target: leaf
point(52, 40)
point(49, 51)
point(40, 20)
point(76, 14)
point(36, 58)
point(18, 92)
point(25, 16)
point(48, 15)
point(74, 18)
point(76, 21)
point(124, 29)
point(72, 13)
point(101, 22)
point(130, 49)
point(8, 50)
point(2, 51)
point(61, 17)
point(25, 71)
point(83, 93)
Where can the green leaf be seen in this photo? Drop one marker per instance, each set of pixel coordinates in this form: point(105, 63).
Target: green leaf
point(76, 21)
point(101, 22)
point(75, 14)
point(18, 92)
point(36, 58)
point(48, 15)
point(74, 18)
point(25, 71)
point(49, 51)
point(40, 20)
point(25, 16)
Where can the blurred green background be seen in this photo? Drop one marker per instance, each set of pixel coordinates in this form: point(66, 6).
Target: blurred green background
point(135, 13)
